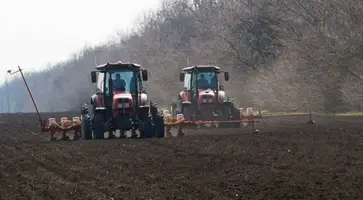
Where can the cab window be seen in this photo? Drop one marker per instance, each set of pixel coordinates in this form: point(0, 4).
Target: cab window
point(122, 80)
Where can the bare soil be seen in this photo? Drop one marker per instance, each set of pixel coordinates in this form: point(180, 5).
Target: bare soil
point(287, 159)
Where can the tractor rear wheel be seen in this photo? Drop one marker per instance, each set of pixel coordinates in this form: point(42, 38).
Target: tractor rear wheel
point(229, 112)
point(225, 116)
point(159, 126)
point(98, 126)
point(86, 130)
point(147, 131)
point(187, 111)
point(236, 116)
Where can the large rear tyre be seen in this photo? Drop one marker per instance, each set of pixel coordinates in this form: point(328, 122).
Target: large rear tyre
point(159, 126)
point(98, 126)
point(86, 130)
point(236, 116)
point(187, 111)
point(229, 112)
point(147, 131)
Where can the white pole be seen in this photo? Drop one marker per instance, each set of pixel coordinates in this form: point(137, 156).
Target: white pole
point(7, 92)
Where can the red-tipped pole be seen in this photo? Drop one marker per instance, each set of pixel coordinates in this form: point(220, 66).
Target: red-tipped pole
point(30, 94)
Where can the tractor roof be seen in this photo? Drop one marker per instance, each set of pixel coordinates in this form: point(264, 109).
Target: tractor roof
point(118, 64)
point(202, 67)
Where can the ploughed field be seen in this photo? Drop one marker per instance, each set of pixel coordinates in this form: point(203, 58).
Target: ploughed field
point(287, 159)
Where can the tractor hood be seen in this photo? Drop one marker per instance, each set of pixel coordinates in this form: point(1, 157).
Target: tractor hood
point(122, 95)
point(122, 103)
point(208, 95)
point(122, 99)
point(206, 92)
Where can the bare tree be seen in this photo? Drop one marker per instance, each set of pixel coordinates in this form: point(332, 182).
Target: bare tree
point(283, 55)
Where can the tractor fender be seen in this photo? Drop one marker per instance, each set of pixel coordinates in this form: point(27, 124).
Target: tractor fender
point(143, 98)
point(184, 96)
point(96, 100)
point(93, 99)
point(181, 94)
point(221, 95)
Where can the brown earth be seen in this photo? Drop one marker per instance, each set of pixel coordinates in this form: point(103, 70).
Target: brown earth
point(286, 160)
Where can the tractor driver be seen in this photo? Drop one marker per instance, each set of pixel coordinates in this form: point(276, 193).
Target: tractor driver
point(118, 83)
point(213, 81)
point(202, 82)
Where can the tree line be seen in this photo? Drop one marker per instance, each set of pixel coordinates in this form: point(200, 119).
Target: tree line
point(283, 55)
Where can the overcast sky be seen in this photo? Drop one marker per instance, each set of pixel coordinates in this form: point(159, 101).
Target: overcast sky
point(34, 33)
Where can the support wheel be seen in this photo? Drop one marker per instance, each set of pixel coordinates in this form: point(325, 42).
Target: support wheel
point(111, 135)
point(133, 133)
point(122, 134)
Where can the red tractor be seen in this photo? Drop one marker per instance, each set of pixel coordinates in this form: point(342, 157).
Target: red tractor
point(203, 97)
point(121, 104)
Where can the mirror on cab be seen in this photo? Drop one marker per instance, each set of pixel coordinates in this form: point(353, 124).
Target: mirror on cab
point(226, 76)
point(181, 77)
point(144, 75)
point(93, 77)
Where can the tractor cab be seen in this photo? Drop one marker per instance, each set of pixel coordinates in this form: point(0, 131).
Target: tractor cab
point(120, 102)
point(201, 83)
point(202, 90)
point(120, 85)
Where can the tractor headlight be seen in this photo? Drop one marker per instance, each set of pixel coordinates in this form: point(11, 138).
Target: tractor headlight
point(204, 100)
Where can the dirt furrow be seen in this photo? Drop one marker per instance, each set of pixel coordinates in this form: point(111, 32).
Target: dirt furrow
point(286, 160)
